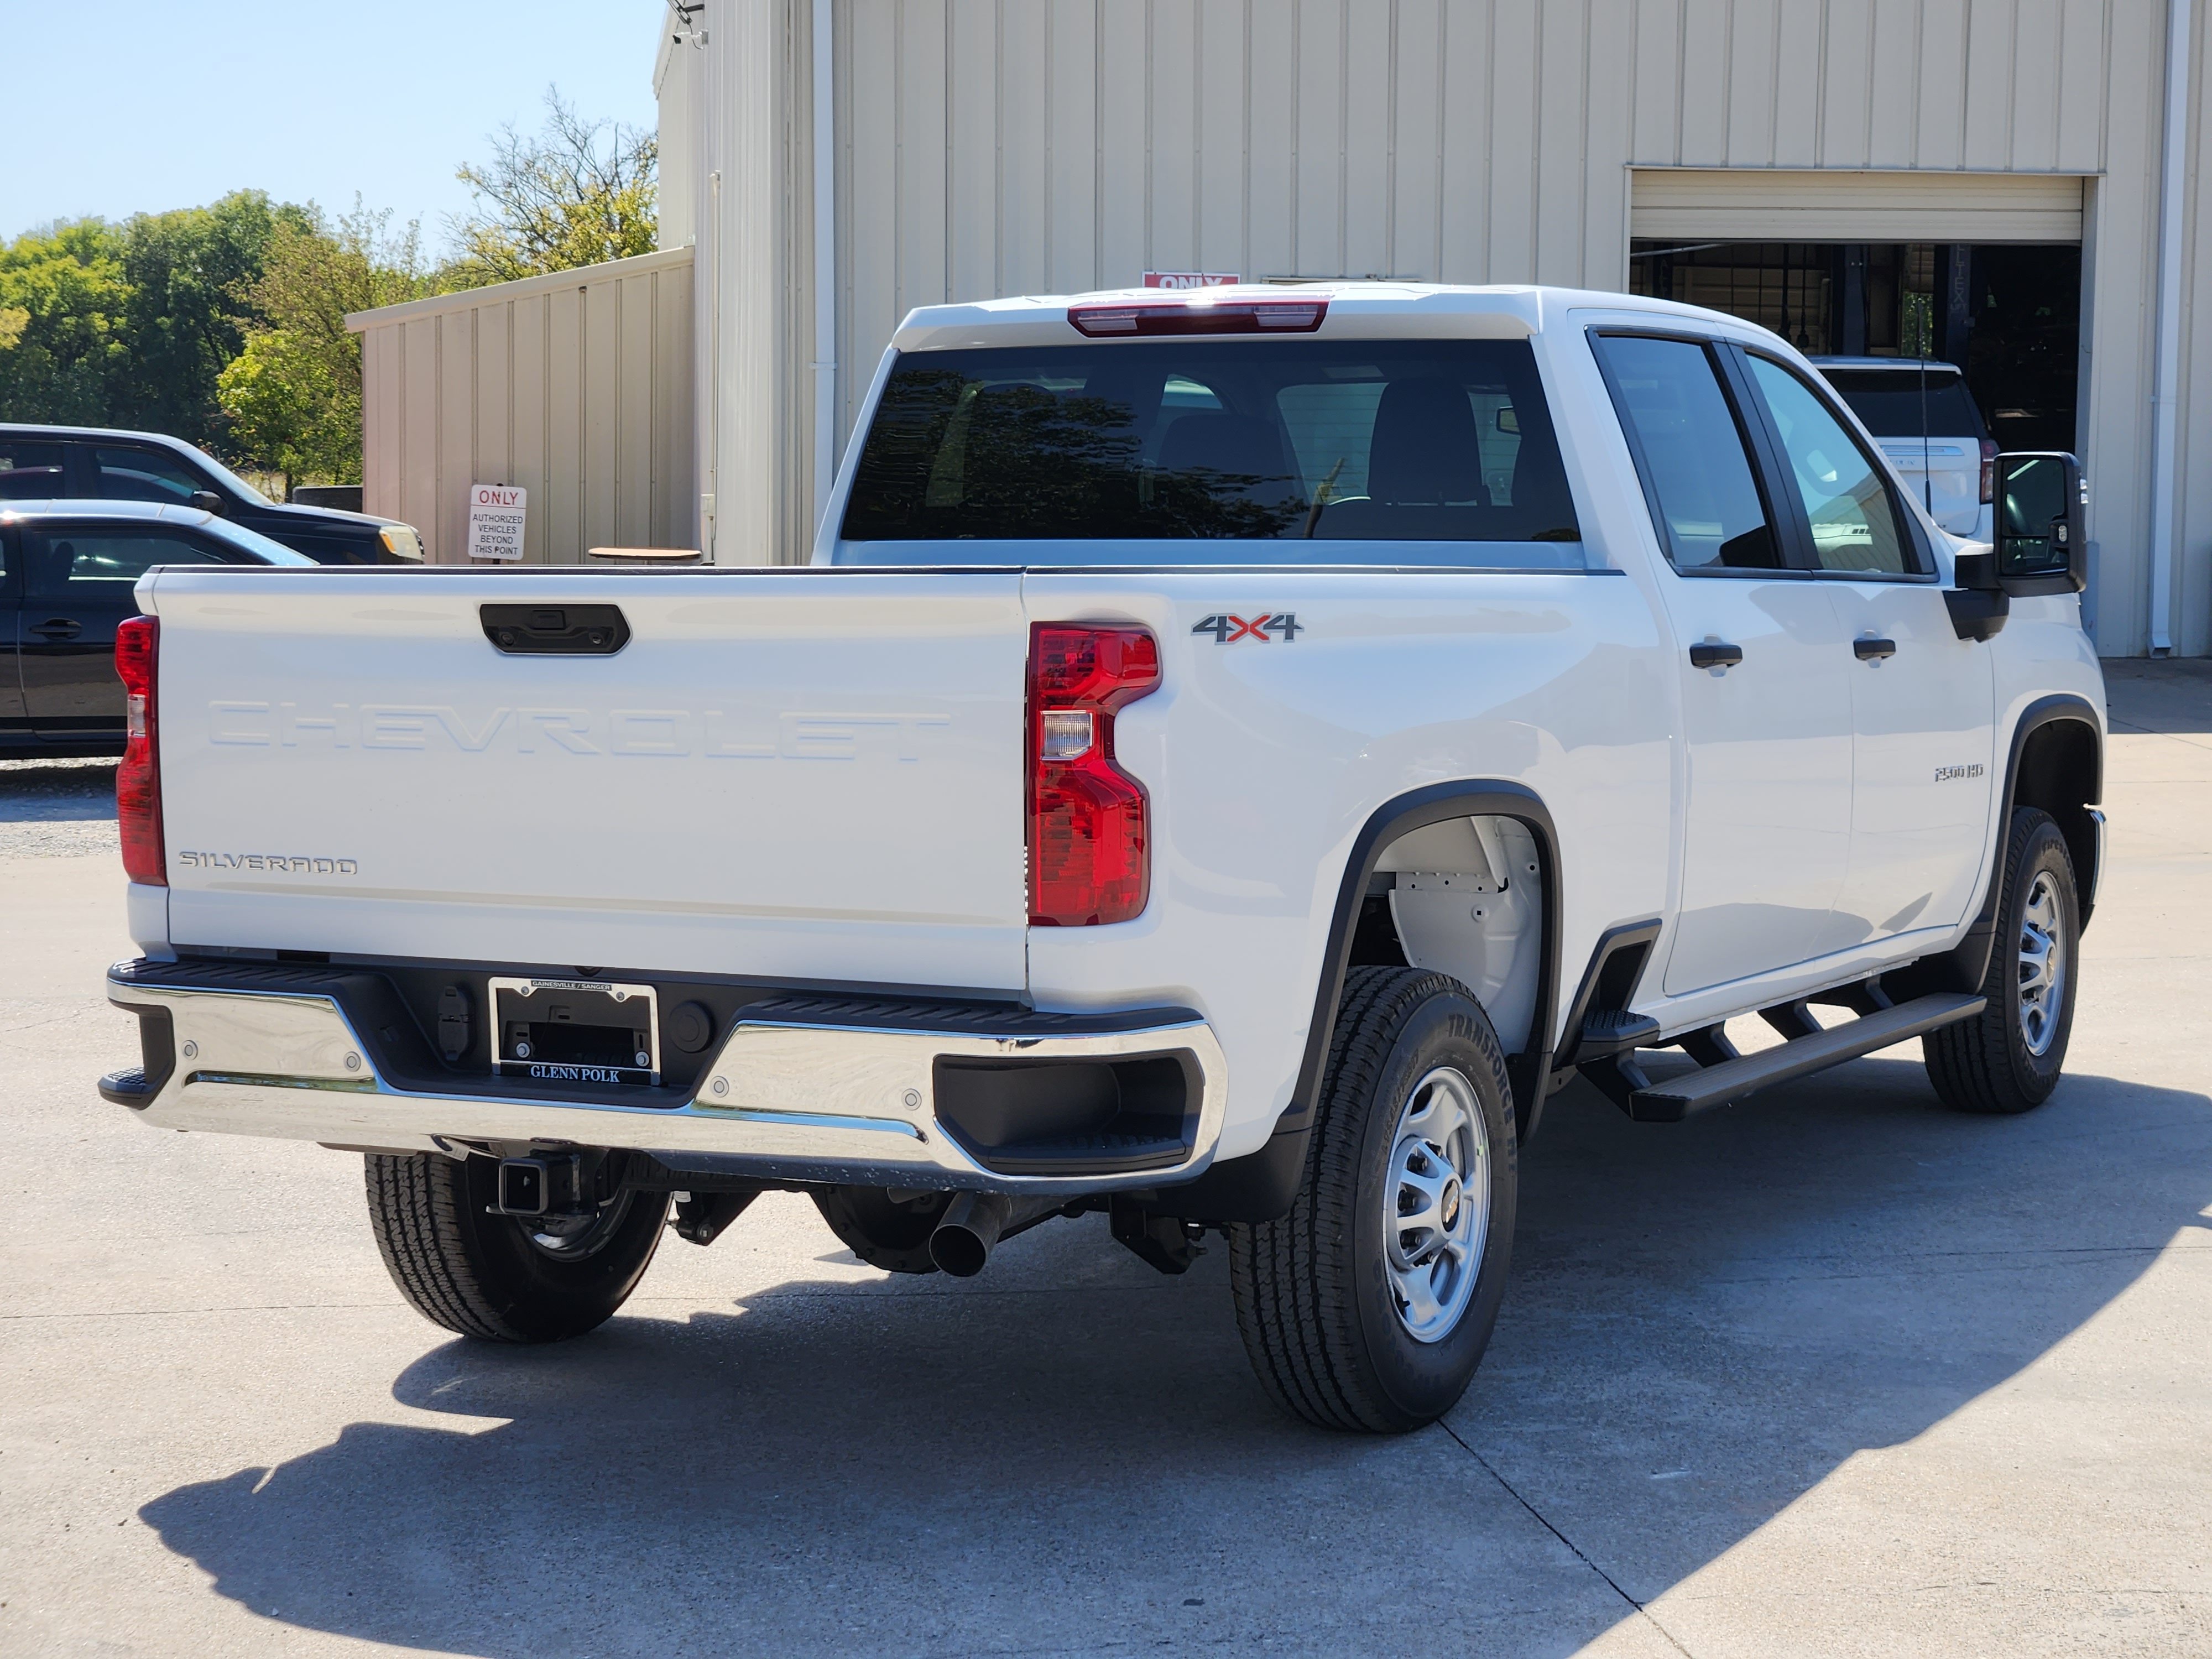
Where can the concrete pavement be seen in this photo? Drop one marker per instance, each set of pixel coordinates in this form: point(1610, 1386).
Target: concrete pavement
point(1834, 1372)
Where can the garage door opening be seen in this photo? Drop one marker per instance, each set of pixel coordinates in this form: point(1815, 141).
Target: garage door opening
point(2009, 313)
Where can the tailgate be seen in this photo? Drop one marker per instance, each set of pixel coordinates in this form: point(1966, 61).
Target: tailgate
point(795, 774)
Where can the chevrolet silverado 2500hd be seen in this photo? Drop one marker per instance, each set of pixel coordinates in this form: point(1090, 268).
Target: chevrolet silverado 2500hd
point(1233, 757)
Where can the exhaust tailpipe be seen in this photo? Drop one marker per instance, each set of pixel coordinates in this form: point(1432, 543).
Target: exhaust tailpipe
point(966, 1231)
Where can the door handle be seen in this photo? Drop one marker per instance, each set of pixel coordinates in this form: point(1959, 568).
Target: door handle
point(1873, 650)
point(1715, 653)
point(59, 627)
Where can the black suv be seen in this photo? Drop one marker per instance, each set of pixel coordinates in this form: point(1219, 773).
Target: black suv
point(52, 463)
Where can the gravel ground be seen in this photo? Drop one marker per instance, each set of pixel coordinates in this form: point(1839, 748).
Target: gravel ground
point(57, 808)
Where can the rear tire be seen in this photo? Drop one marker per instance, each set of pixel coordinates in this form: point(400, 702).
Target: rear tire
point(1368, 1306)
point(2007, 1058)
point(492, 1277)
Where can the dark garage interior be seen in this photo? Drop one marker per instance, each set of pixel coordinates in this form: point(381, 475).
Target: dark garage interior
point(2009, 313)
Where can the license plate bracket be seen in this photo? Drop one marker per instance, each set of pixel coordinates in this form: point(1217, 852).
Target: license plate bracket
point(575, 1031)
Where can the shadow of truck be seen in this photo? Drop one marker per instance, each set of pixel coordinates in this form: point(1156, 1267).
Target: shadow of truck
point(1069, 1453)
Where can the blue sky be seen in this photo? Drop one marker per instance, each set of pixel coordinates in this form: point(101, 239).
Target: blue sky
point(131, 104)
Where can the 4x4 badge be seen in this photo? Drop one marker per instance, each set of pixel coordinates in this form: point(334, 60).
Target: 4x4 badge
point(1227, 630)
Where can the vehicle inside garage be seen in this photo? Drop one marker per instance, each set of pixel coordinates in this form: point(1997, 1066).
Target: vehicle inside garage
point(2009, 314)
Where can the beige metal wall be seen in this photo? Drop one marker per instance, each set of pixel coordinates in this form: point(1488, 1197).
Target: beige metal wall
point(1053, 145)
point(995, 147)
point(674, 64)
point(578, 386)
point(752, 167)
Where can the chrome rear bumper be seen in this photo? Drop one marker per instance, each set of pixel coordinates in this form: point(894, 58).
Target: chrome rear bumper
point(784, 1099)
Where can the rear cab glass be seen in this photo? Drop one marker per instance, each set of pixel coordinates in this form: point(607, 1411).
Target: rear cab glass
point(1893, 404)
point(1210, 450)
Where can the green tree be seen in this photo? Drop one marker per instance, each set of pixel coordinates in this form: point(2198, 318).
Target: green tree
point(185, 317)
point(62, 327)
point(293, 393)
point(128, 325)
point(575, 193)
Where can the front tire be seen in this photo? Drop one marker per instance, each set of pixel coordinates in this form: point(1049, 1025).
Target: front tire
point(1368, 1306)
point(2007, 1058)
point(497, 1278)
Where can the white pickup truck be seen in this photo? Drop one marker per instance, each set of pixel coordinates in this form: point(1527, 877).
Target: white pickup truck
point(1233, 756)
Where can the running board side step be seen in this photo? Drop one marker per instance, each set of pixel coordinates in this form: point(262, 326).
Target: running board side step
point(1732, 1079)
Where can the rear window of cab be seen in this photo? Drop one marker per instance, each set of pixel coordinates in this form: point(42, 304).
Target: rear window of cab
point(1435, 452)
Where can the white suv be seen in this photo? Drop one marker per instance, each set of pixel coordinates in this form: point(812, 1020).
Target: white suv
point(1928, 423)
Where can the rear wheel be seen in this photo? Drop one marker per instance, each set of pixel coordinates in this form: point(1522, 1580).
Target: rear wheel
point(2007, 1059)
point(1368, 1306)
point(498, 1277)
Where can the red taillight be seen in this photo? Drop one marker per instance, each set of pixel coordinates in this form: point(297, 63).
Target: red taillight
point(1989, 470)
point(1128, 318)
point(1090, 837)
point(138, 780)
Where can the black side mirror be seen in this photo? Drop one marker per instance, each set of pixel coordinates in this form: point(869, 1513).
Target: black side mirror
point(207, 502)
point(2040, 546)
point(1978, 605)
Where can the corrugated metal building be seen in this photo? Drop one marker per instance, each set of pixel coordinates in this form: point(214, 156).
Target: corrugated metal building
point(577, 386)
point(1982, 179)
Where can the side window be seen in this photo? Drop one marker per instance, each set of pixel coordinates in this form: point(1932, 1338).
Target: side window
point(144, 475)
point(1856, 525)
point(98, 565)
point(30, 470)
point(1697, 467)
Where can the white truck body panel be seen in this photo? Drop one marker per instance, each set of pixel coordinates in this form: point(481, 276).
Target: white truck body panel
point(1264, 763)
point(788, 773)
point(817, 776)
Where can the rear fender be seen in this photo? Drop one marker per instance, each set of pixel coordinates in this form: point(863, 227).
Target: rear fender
point(1262, 1186)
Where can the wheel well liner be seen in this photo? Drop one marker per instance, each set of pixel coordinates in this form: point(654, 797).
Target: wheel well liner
point(1261, 1186)
point(2058, 765)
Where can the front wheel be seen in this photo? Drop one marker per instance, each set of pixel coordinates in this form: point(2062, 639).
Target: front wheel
point(1368, 1306)
point(499, 1278)
point(2008, 1057)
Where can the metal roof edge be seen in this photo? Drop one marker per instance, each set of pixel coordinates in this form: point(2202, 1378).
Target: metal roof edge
point(467, 298)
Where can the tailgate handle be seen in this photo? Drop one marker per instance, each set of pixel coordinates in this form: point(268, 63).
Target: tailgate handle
point(555, 630)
